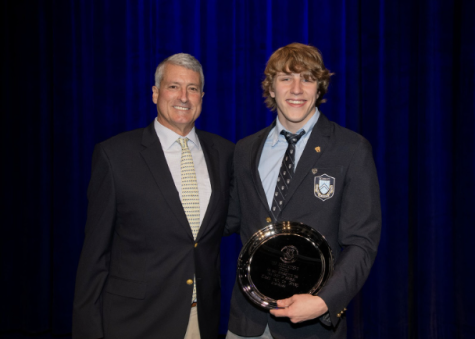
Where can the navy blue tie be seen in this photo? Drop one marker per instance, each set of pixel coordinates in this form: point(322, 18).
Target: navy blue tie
point(286, 173)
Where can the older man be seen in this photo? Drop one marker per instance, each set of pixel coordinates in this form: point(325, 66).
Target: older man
point(308, 169)
point(158, 198)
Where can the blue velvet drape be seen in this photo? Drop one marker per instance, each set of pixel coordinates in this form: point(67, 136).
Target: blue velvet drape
point(77, 72)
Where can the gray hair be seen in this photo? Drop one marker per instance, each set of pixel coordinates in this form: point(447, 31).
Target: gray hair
point(181, 59)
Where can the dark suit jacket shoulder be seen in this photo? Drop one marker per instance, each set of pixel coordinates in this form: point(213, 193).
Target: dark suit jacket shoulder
point(225, 143)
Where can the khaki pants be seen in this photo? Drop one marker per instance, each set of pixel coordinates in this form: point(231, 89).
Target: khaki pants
point(193, 330)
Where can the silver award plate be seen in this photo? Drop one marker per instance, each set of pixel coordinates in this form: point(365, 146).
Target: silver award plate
point(281, 260)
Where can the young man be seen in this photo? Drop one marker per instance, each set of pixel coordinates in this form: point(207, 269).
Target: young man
point(326, 179)
point(158, 198)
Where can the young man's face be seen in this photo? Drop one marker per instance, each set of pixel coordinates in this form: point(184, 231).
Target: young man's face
point(295, 97)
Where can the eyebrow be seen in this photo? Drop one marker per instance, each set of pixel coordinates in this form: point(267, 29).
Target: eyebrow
point(180, 83)
point(302, 74)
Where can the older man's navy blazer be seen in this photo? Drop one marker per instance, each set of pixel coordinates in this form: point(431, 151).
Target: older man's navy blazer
point(139, 253)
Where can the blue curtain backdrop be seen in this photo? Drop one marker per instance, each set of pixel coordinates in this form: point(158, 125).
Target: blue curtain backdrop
point(77, 72)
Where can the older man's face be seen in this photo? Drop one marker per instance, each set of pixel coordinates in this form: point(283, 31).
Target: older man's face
point(178, 99)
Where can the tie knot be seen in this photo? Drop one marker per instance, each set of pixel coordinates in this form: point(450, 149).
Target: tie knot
point(292, 139)
point(183, 142)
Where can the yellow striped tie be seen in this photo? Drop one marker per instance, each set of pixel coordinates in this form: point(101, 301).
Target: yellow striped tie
point(190, 197)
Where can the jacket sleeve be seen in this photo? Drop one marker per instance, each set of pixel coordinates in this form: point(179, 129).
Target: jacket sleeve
point(358, 234)
point(94, 261)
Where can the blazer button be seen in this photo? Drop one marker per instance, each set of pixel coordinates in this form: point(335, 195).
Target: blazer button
point(196, 244)
point(338, 315)
point(268, 219)
point(189, 282)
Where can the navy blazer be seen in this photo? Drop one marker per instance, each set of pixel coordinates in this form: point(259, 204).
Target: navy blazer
point(139, 252)
point(350, 220)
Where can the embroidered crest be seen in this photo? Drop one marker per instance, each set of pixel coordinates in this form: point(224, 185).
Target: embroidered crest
point(324, 187)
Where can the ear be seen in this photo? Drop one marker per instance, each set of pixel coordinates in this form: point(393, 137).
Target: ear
point(155, 94)
point(272, 94)
point(202, 95)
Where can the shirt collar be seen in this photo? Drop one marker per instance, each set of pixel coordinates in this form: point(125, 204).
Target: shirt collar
point(168, 137)
point(274, 135)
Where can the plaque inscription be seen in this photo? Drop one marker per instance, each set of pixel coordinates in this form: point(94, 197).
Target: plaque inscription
point(281, 260)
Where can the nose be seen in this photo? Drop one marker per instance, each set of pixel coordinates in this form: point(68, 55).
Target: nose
point(184, 95)
point(296, 87)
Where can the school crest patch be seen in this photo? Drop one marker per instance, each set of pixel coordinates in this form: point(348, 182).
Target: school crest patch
point(324, 187)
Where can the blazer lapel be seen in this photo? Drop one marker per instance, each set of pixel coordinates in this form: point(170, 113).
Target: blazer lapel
point(255, 154)
point(318, 138)
point(157, 163)
point(211, 155)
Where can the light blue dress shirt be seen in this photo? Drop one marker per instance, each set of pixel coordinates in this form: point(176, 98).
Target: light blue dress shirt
point(273, 153)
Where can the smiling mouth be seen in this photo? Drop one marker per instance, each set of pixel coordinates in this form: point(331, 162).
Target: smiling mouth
point(296, 102)
point(181, 108)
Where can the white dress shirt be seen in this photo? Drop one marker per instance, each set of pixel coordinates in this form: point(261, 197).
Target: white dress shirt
point(172, 151)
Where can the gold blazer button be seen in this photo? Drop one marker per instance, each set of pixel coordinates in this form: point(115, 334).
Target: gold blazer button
point(268, 219)
point(196, 244)
point(189, 282)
